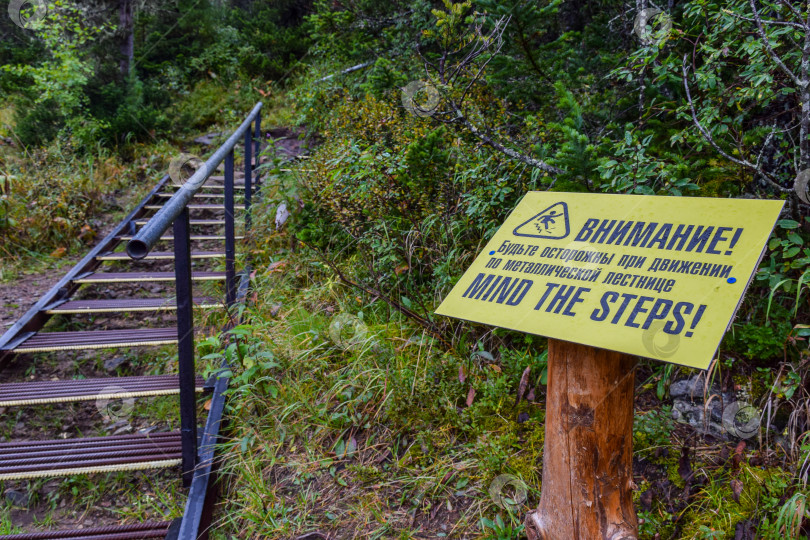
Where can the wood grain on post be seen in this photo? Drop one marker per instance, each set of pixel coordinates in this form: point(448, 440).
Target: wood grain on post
point(588, 448)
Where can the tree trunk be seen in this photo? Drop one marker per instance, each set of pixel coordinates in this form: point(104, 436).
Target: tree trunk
point(588, 450)
point(127, 28)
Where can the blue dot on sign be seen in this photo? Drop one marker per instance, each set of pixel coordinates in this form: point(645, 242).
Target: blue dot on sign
point(732, 280)
point(492, 253)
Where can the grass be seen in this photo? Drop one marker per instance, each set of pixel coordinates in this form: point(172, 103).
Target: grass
point(357, 424)
point(348, 419)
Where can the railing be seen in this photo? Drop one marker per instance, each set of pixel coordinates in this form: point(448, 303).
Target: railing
point(175, 212)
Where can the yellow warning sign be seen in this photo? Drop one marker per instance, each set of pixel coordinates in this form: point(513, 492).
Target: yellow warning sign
point(660, 277)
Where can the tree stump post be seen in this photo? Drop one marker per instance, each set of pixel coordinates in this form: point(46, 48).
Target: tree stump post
point(588, 448)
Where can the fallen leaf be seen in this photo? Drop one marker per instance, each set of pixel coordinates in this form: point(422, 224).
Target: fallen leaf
point(470, 396)
point(58, 252)
point(736, 489)
point(530, 397)
point(276, 266)
point(399, 269)
point(207, 405)
point(87, 233)
point(496, 368)
point(461, 375)
point(524, 383)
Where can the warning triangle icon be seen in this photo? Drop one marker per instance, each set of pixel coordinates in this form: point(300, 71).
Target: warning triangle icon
point(551, 223)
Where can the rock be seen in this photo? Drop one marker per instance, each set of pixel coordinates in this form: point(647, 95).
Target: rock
point(691, 388)
point(117, 425)
point(695, 415)
point(207, 139)
point(707, 420)
point(122, 430)
point(17, 498)
point(111, 364)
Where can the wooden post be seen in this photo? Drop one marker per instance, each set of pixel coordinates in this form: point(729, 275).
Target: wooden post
point(588, 448)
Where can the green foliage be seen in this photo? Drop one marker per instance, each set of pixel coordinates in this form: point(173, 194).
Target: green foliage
point(653, 429)
point(498, 530)
point(760, 342)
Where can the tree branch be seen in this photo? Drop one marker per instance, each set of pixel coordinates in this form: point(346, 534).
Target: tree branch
point(768, 47)
point(708, 137)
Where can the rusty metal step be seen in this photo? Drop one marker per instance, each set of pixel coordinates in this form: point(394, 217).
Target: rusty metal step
point(71, 390)
point(135, 531)
point(239, 186)
point(198, 206)
point(66, 457)
point(191, 221)
point(135, 277)
point(197, 196)
point(127, 238)
point(125, 305)
point(159, 255)
point(92, 339)
point(239, 181)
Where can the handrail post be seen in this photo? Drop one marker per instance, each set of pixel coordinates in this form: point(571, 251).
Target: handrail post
point(258, 137)
point(185, 344)
point(248, 174)
point(230, 243)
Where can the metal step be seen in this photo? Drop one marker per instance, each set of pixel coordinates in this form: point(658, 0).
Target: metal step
point(70, 390)
point(135, 531)
point(239, 180)
point(239, 186)
point(159, 256)
point(197, 196)
point(198, 206)
point(65, 457)
point(93, 339)
point(126, 305)
point(191, 221)
point(127, 238)
point(135, 277)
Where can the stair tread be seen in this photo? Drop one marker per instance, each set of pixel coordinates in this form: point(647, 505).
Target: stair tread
point(197, 195)
point(127, 304)
point(147, 529)
point(67, 390)
point(125, 277)
point(64, 457)
point(95, 339)
point(154, 255)
point(239, 206)
point(191, 221)
point(127, 238)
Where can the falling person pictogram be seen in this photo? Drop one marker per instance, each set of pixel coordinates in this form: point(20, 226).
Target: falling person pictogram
point(551, 223)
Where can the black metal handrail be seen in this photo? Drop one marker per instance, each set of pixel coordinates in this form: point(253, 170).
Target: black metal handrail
point(175, 212)
point(142, 243)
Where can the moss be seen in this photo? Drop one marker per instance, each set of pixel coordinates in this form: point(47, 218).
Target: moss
point(674, 476)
